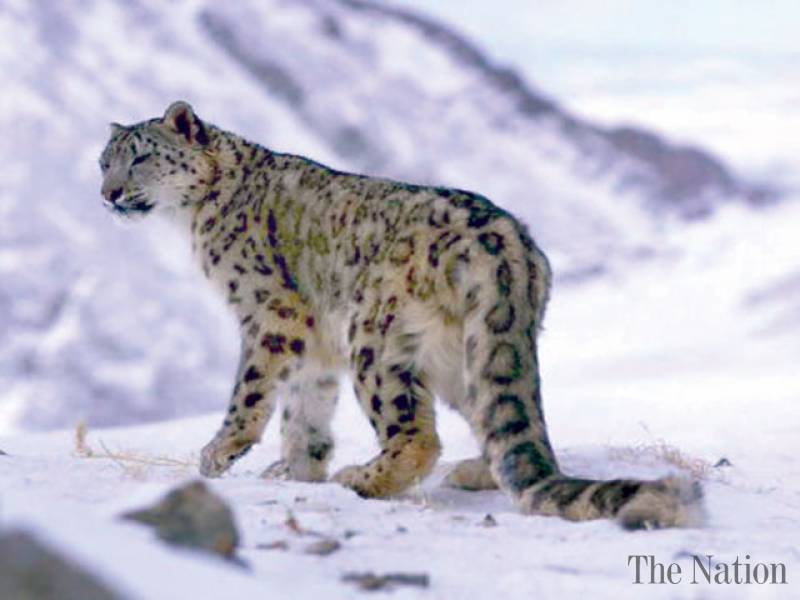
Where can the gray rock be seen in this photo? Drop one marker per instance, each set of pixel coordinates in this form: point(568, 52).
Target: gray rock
point(371, 582)
point(323, 547)
point(194, 517)
point(29, 570)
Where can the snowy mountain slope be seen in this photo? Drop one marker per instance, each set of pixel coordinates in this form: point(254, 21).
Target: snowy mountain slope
point(108, 323)
point(683, 178)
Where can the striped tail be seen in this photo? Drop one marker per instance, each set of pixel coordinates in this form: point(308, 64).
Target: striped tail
point(668, 502)
point(504, 403)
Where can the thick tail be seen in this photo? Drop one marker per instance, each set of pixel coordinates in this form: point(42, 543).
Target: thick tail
point(503, 392)
point(668, 502)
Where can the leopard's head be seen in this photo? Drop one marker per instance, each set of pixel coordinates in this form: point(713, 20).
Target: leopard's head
point(160, 164)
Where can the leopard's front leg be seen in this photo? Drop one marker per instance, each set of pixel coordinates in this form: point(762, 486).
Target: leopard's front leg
point(307, 443)
point(269, 354)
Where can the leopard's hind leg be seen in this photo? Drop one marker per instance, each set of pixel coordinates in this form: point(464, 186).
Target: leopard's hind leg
point(471, 474)
point(394, 393)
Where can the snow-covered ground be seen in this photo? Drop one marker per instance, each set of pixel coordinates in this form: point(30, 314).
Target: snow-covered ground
point(754, 507)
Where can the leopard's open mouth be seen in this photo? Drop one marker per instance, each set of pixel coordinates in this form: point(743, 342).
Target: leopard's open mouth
point(139, 207)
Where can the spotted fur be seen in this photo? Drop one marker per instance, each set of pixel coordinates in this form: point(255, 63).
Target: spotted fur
point(416, 291)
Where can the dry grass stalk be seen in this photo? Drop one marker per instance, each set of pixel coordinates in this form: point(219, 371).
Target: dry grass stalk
point(660, 451)
point(134, 464)
point(81, 447)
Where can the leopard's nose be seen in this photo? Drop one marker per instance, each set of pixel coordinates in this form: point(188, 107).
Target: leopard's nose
point(112, 194)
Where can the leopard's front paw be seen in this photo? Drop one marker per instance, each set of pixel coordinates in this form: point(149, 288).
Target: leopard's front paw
point(277, 470)
point(213, 462)
point(218, 456)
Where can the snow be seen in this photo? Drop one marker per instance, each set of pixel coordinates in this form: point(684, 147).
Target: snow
point(717, 74)
point(695, 99)
point(681, 348)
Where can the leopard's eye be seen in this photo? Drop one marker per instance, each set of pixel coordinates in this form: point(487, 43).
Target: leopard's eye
point(140, 159)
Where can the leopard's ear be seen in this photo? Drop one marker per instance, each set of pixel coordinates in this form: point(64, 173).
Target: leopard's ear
point(116, 128)
point(180, 119)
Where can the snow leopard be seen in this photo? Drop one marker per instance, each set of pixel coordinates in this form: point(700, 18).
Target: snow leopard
point(413, 291)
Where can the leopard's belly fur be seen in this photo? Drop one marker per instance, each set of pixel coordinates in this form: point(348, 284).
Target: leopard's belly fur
point(414, 291)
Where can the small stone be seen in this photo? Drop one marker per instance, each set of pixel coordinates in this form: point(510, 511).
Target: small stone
point(3, 453)
point(489, 521)
point(723, 462)
point(371, 582)
point(292, 524)
point(323, 547)
point(192, 516)
point(401, 529)
point(276, 545)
